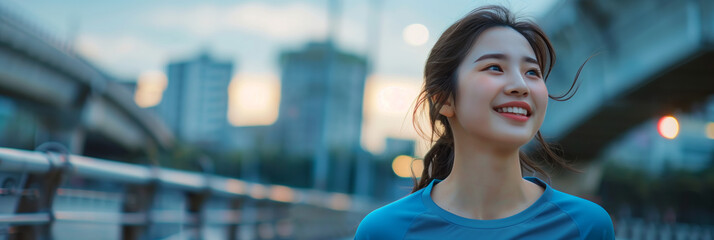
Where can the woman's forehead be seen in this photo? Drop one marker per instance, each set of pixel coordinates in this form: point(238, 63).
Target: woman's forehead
point(502, 40)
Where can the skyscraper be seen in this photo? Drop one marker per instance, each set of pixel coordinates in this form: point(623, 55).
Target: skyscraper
point(321, 104)
point(195, 102)
point(321, 99)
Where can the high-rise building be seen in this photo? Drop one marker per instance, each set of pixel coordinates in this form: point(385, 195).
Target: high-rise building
point(321, 99)
point(321, 110)
point(396, 146)
point(195, 102)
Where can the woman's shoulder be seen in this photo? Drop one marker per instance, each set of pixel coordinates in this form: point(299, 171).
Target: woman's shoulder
point(593, 220)
point(392, 220)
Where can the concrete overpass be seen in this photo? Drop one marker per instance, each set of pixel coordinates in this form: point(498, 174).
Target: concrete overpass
point(76, 102)
point(655, 58)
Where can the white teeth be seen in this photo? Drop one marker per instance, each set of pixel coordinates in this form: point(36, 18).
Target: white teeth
point(515, 110)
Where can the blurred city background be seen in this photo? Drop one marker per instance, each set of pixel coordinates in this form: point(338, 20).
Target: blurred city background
point(292, 119)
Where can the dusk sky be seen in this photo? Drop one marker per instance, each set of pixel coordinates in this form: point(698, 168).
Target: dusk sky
point(132, 37)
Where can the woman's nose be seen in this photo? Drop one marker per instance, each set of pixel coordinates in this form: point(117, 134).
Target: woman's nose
point(517, 86)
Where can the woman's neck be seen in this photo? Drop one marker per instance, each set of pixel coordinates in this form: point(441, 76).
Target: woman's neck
point(485, 183)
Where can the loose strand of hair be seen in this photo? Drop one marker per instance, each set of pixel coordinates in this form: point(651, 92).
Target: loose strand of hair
point(567, 96)
point(555, 159)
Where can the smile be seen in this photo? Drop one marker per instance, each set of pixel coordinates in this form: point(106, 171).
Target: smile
point(519, 111)
point(514, 110)
point(515, 116)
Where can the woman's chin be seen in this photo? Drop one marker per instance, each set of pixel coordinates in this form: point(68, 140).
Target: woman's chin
point(513, 140)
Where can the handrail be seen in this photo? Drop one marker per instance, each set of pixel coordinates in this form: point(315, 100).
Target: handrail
point(14, 160)
point(39, 200)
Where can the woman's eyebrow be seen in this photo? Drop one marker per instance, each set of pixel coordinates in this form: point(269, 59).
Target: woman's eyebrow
point(498, 56)
point(501, 56)
point(530, 60)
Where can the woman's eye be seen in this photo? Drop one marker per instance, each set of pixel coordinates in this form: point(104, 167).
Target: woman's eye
point(494, 68)
point(533, 73)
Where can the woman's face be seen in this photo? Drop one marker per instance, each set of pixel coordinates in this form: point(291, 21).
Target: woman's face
point(501, 95)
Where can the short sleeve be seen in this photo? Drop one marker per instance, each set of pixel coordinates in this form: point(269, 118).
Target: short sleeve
point(377, 226)
point(367, 228)
point(595, 223)
point(592, 221)
point(391, 221)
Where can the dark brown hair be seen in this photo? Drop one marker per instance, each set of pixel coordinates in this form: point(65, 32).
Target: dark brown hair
point(440, 84)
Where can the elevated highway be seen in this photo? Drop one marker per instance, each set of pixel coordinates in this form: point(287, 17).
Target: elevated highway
point(75, 100)
point(654, 58)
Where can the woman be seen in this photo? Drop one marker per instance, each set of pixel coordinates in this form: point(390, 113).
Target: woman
point(485, 87)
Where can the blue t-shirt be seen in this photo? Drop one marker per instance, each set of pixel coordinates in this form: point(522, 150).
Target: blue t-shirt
point(555, 215)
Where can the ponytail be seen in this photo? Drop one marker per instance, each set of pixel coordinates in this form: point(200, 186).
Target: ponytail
point(438, 161)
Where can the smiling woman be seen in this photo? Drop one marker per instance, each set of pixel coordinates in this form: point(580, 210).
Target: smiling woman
point(485, 95)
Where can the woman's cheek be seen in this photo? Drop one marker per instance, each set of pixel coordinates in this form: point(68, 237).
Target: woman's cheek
point(540, 96)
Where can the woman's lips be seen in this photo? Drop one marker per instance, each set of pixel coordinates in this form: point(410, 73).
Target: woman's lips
point(516, 117)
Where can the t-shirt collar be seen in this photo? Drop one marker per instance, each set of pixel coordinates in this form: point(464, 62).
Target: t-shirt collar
point(524, 215)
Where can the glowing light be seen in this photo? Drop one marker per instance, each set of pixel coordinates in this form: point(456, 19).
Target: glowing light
point(150, 88)
point(258, 191)
point(235, 186)
point(339, 201)
point(388, 103)
point(253, 100)
point(415, 34)
point(668, 127)
point(710, 130)
point(394, 99)
point(282, 193)
point(404, 165)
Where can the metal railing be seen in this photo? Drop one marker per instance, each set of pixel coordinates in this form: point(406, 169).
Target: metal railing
point(55, 195)
point(636, 229)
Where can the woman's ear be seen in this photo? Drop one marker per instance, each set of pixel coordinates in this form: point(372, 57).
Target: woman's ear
point(448, 108)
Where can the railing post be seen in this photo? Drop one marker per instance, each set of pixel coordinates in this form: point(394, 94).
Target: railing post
point(195, 206)
point(11, 191)
point(138, 199)
point(46, 188)
point(235, 205)
point(196, 201)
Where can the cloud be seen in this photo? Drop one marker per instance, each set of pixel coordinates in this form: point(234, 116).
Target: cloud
point(122, 55)
point(285, 23)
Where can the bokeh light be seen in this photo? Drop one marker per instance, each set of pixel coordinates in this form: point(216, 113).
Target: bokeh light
point(415, 34)
point(394, 99)
point(388, 106)
point(404, 165)
point(710, 130)
point(258, 191)
point(150, 88)
point(282, 193)
point(668, 127)
point(339, 201)
point(253, 100)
